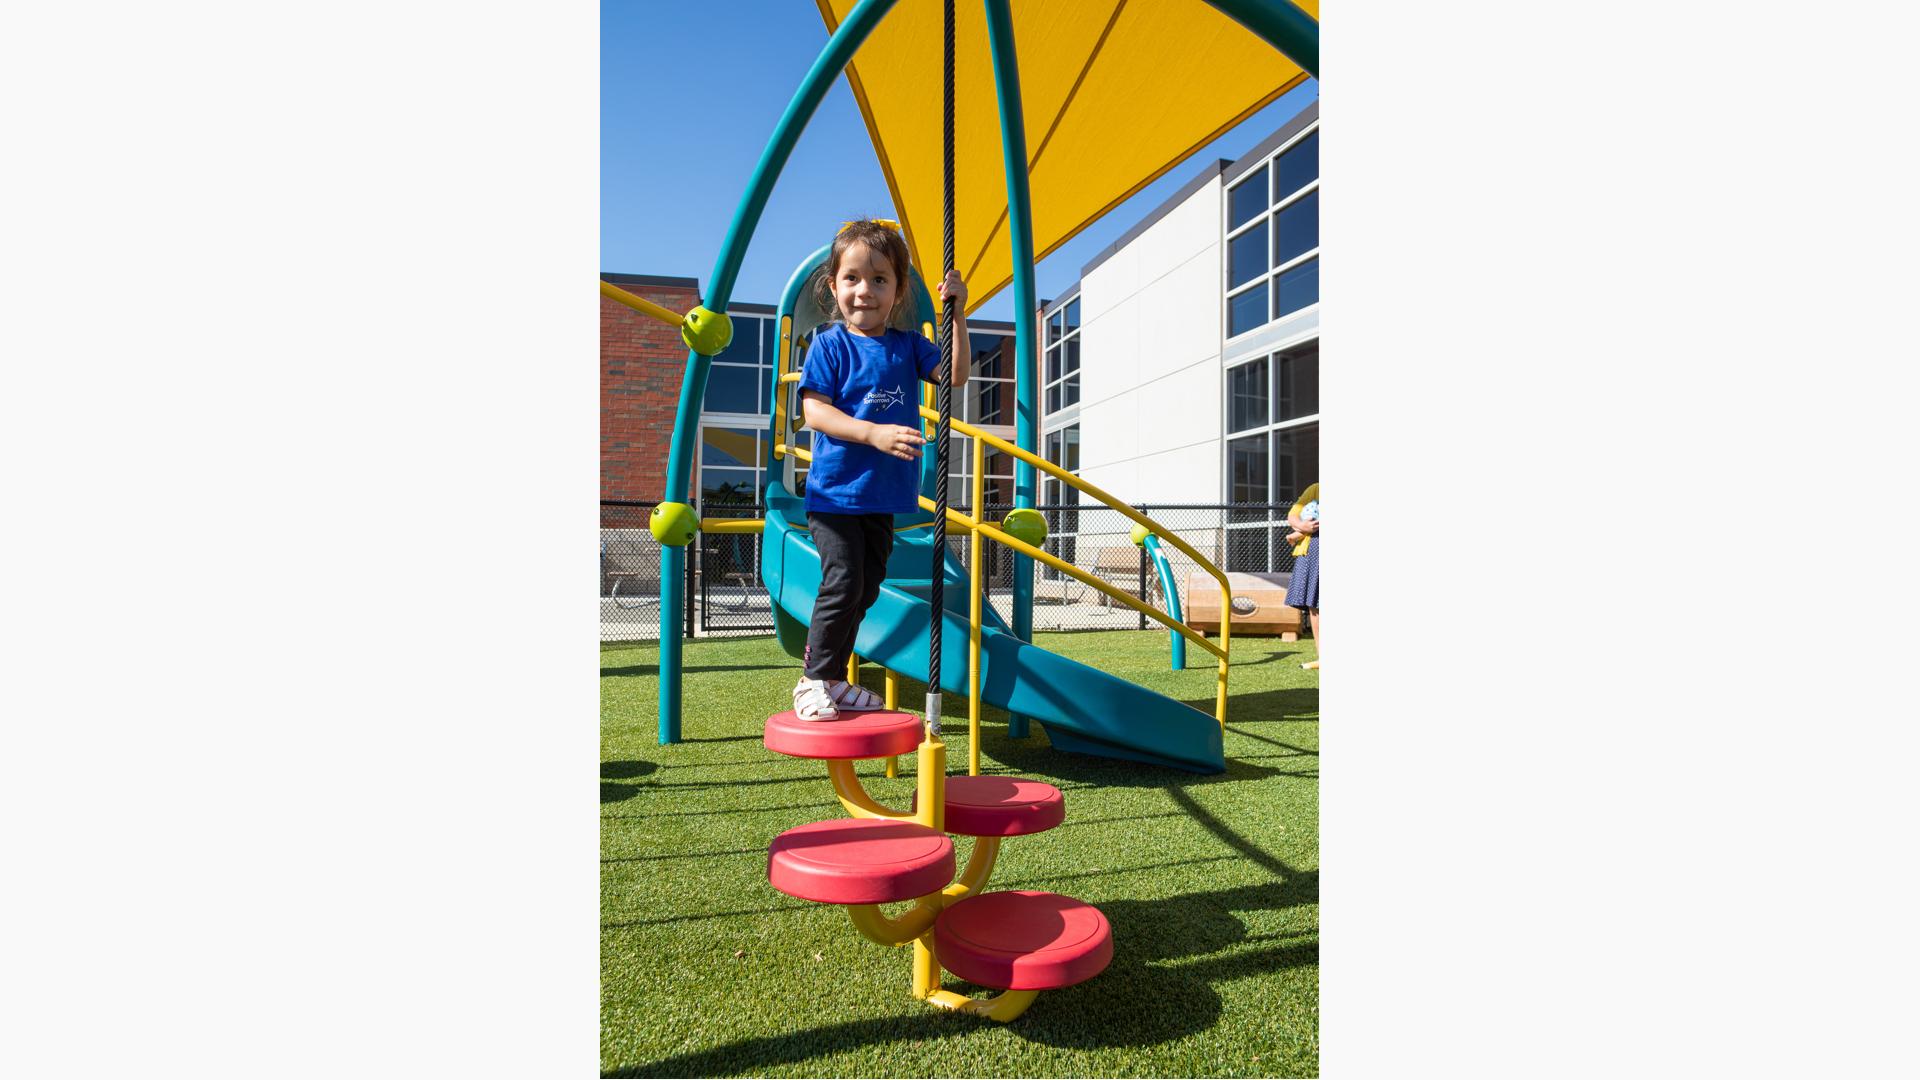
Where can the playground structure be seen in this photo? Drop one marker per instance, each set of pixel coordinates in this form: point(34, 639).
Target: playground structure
point(1018, 942)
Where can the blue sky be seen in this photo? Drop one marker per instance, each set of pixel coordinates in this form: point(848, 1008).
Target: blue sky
point(680, 133)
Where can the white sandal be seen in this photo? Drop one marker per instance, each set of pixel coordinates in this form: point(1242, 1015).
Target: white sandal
point(852, 697)
point(811, 701)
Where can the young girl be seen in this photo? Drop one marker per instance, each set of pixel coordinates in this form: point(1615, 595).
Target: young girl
point(1304, 592)
point(860, 393)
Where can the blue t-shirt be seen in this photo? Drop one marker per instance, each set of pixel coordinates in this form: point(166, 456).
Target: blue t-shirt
point(872, 379)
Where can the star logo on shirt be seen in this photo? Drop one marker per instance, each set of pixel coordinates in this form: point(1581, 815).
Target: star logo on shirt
point(885, 398)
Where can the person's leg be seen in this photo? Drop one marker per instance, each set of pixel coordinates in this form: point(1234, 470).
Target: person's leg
point(878, 533)
point(1313, 617)
point(836, 608)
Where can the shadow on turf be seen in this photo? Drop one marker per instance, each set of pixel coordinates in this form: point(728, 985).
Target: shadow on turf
point(1034, 757)
point(1163, 956)
point(622, 770)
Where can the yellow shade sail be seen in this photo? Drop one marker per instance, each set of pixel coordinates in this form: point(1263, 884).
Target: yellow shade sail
point(1114, 93)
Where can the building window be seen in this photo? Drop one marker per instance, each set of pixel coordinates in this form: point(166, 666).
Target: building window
point(1062, 499)
point(730, 464)
point(1272, 452)
point(1247, 396)
point(1062, 373)
point(740, 379)
point(1273, 238)
point(989, 392)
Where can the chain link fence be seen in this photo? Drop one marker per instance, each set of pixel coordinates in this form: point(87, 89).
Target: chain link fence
point(724, 594)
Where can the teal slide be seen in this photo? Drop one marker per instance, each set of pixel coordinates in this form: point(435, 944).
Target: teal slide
point(1084, 710)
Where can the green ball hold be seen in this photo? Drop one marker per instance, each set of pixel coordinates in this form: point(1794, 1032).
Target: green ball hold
point(673, 524)
point(1140, 534)
point(1026, 525)
point(706, 332)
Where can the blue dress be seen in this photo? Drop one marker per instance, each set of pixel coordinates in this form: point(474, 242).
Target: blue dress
point(1304, 591)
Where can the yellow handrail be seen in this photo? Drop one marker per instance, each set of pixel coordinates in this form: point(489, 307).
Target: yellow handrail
point(642, 305)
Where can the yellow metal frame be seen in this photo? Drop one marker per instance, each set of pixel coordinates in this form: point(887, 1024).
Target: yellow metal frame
point(915, 924)
point(642, 305)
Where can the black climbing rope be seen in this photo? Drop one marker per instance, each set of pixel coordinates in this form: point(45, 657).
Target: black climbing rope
point(944, 376)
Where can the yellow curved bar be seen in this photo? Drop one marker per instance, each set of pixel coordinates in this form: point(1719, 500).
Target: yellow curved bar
point(912, 924)
point(855, 799)
point(641, 304)
point(1075, 482)
point(1151, 612)
point(986, 851)
point(1226, 593)
point(732, 525)
point(1003, 1006)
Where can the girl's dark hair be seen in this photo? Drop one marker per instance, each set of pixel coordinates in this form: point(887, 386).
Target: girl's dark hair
point(879, 237)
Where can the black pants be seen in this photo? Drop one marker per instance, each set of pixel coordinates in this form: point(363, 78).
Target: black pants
point(853, 562)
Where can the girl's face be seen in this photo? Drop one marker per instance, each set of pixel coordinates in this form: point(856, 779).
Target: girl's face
point(865, 288)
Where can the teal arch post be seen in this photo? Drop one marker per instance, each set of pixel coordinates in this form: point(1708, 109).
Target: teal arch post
point(693, 384)
point(1177, 642)
point(1013, 147)
point(1281, 25)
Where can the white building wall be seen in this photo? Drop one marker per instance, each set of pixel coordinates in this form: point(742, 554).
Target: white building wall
point(1150, 360)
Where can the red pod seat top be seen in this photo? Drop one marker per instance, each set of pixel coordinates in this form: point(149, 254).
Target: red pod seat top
point(1020, 940)
point(860, 861)
point(1001, 806)
point(853, 735)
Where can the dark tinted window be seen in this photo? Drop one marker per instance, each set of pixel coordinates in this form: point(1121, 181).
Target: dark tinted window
point(1246, 311)
point(1247, 469)
point(1247, 199)
point(1073, 316)
point(745, 346)
point(1296, 288)
point(1247, 396)
point(1073, 354)
point(733, 389)
point(1296, 460)
point(727, 485)
point(1297, 383)
point(1247, 256)
point(1297, 167)
point(1296, 230)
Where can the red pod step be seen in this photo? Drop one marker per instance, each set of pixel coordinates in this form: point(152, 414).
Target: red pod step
point(860, 861)
point(1020, 940)
point(1000, 806)
point(853, 735)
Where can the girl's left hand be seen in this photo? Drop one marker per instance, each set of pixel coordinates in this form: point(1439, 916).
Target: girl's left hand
point(953, 289)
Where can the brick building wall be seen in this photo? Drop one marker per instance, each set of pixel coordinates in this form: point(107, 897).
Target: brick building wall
point(641, 364)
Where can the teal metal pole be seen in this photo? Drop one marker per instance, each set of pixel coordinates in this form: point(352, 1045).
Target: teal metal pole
point(673, 584)
point(1282, 25)
point(693, 384)
point(1013, 148)
point(1177, 643)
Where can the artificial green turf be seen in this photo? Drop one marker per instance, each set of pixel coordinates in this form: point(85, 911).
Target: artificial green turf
point(1210, 883)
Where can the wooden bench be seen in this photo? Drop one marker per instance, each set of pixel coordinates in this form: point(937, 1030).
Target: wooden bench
point(1259, 604)
point(1120, 567)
